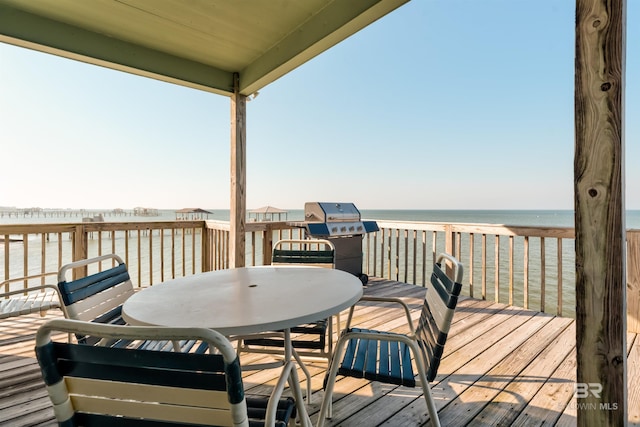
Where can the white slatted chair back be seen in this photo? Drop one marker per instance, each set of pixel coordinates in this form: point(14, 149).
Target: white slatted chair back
point(438, 310)
point(91, 385)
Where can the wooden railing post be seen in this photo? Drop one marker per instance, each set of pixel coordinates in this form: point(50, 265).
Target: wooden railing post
point(449, 243)
point(207, 254)
point(449, 239)
point(633, 281)
point(267, 246)
point(80, 245)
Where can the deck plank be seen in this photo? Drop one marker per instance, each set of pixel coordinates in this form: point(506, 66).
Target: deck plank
point(527, 370)
point(466, 387)
point(502, 366)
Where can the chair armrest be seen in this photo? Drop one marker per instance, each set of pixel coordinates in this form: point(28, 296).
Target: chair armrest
point(384, 299)
point(31, 289)
point(6, 283)
point(32, 276)
point(404, 305)
point(29, 300)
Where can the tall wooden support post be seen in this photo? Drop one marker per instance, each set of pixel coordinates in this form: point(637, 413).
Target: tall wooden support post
point(238, 177)
point(601, 386)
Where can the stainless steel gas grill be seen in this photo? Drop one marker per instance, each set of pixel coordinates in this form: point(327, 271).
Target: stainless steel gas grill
point(340, 223)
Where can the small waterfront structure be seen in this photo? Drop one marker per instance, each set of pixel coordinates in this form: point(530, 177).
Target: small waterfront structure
point(268, 213)
point(192, 214)
point(94, 218)
point(139, 211)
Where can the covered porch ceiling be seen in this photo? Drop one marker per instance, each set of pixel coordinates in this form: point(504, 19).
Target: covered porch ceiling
point(199, 43)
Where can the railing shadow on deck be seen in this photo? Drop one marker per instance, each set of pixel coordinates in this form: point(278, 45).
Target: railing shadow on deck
point(497, 403)
point(406, 406)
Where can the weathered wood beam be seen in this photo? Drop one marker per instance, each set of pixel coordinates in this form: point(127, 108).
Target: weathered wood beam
point(238, 177)
point(601, 386)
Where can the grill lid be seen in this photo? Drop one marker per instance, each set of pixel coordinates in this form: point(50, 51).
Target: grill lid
point(330, 219)
point(331, 212)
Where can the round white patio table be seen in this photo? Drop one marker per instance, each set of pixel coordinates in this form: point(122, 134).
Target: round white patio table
point(243, 301)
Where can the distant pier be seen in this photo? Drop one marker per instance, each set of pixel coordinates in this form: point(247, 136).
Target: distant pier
point(71, 213)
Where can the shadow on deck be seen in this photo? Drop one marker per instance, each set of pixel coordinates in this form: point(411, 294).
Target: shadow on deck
point(502, 366)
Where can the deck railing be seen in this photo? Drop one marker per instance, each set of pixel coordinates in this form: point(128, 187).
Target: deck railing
point(531, 267)
point(154, 251)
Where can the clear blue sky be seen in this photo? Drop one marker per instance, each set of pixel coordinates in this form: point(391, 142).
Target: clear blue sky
point(440, 105)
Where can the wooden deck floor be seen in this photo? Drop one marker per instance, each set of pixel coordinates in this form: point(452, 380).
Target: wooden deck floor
point(502, 366)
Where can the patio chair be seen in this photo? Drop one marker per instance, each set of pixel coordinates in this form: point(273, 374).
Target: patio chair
point(100, 386)
point(386, 356)
point(29, 299)
point(99, 297)
point(311, 340)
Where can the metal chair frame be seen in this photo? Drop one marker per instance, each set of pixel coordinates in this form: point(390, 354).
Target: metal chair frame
point(386, 356)
point(98, 298)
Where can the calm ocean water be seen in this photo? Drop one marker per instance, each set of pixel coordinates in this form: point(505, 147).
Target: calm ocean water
point(549, 218)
